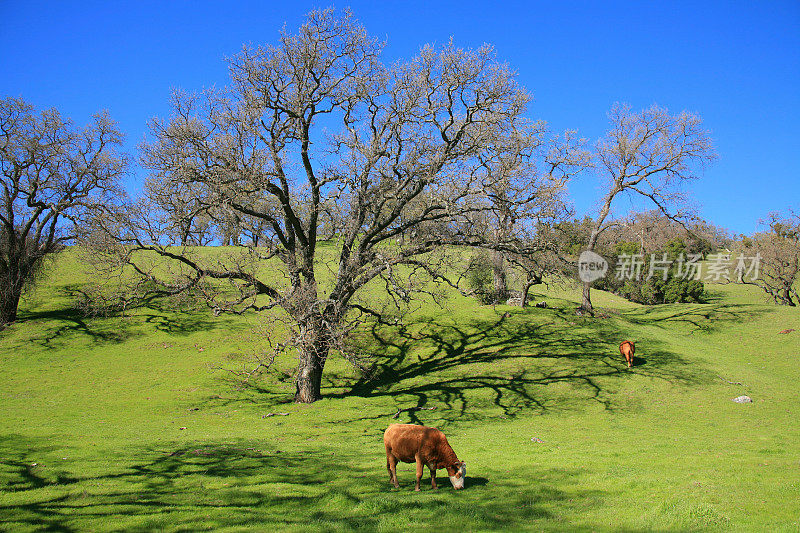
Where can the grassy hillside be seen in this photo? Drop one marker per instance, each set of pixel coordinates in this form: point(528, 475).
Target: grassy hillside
point(124, 422)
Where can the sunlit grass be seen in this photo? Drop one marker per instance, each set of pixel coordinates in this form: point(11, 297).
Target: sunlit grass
point(124, 422)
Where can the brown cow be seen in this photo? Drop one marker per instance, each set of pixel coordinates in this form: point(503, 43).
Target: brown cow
point(627, 349)
point(426, 446)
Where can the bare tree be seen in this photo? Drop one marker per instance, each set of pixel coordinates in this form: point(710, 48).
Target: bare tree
point(779, 259)
point(52, 174)
point(653, 231)
point(550, 262)
point(314, 122)
point(189, 214)
point(649, 155)
point(527, 189)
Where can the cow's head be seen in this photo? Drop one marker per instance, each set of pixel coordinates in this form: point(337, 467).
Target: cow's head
point(457, 473)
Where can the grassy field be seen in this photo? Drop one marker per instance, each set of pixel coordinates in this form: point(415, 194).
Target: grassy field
point(124, 423)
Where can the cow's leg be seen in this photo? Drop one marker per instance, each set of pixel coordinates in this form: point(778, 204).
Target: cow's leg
point(433, 477)
point(419, 471)
point(391, 466)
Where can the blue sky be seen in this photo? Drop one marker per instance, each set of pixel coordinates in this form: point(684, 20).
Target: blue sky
point(737, 64)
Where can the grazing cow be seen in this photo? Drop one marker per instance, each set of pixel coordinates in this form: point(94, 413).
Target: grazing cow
point(427, 447)
point(627, 349)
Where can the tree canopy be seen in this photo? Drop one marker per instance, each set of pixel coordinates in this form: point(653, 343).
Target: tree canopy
point(316, 131)
point(53, 175)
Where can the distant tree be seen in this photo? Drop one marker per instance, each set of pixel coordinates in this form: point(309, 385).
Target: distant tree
point(654, 231)
point(52, 174)
point(705, 237)
point(572, 235)
point(649, 155)
point(317, 123)
point(547, 264)
point(552, 245)
point(188, 214)
point(563, 157)
point(779, 258)
point(537, 165)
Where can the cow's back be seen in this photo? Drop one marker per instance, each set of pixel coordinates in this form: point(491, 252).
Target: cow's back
point(627, 347)
point(404, 441)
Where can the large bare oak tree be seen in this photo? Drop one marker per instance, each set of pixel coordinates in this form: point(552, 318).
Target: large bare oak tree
point(317, 138)
point(52, 174)
point(649, 156)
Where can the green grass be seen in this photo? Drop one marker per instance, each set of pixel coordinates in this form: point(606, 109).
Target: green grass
point(92, 411)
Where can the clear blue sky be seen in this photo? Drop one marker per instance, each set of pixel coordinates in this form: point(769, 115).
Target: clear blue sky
point(737, 64)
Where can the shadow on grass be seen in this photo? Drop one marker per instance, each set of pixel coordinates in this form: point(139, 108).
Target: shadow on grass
point(713, 296)
point(61, 324)
point(66, 324)
point(693, 318)
point(530, 361)
point(211, 486)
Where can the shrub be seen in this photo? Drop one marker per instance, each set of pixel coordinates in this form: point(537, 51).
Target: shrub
point(653, 290)
point(480, 279)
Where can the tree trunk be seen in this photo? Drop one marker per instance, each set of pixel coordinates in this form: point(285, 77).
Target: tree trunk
point(787, 297)
point(529, 282)
point(586, 304)
point(525, 290)
point(9, 303)
point(20, 265)
point(500, 281)
point(314, 347)
point(308, 387)
point(185, 232)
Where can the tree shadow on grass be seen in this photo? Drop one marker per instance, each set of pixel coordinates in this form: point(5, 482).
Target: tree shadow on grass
point(529, 361)
point(693, 318)
point(178, 323)
point(250, 484)
point(58, 326)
